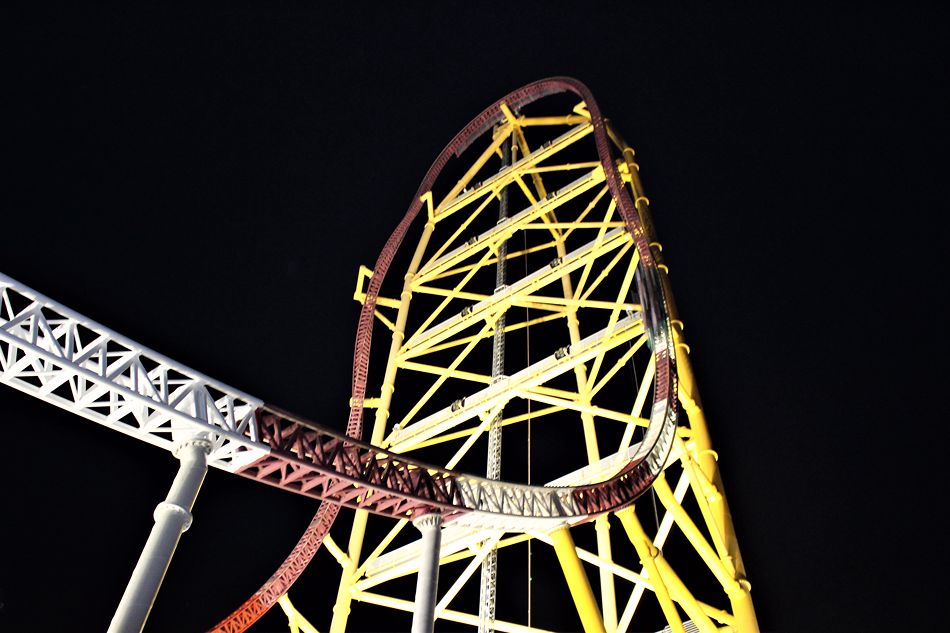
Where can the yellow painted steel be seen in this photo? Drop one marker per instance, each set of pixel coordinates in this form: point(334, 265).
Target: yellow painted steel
point(341, 608)
point(608, 270)
point(448, 437)
point(552, 120)
point(445, 375)
point(586, 556)
point(437, 256)
point(639, 403)
point(448, 614)
point(665, 579)
point(701, 610)
point(619, 364)
point(720, 569)
point(439, 263)
point(719, 520)
point(573, 325)
point(335, 551)
point(441, 211)
point(492, 261)
point(589, 411)
point(393, 533)
point(577, 581)
point(295, 619)
point(366, 274)
point(648, 553)
point(378, 579)
point(608, 597)
point(508, 328)
point(541, 302)
point(482, 551)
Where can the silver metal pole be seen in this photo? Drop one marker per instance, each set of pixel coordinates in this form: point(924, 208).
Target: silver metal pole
point(427, 584)
point(489, 571)
point(172, 517)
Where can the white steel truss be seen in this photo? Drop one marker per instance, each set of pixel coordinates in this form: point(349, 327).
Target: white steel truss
point(59, 356)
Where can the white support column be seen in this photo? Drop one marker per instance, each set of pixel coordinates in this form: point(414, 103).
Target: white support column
point(172, 517)
point(427, 584)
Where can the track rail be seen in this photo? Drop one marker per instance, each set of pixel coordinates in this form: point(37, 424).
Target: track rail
point(312, 461)
point(59, 356)
point(632, 481)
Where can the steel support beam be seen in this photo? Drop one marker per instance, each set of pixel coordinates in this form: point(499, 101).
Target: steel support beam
point(577, 581)
point(172, 517)
point(666, 583)
point(427, 583)
point(688, 394)
point(348, 577)
point(648, 553)
point(295, 620)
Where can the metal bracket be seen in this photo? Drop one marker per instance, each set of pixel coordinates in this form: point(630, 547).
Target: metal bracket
point(366, 273)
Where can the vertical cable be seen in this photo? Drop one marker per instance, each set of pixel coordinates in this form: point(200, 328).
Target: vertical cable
point(527, 318)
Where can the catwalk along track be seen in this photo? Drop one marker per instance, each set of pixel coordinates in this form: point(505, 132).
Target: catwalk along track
point(533, 304)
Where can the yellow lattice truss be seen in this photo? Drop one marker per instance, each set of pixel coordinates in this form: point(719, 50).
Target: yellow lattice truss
point(575, 281)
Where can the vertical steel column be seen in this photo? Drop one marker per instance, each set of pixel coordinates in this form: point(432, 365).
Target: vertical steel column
point(427, 584)
point(172, 517)
point(489, 571)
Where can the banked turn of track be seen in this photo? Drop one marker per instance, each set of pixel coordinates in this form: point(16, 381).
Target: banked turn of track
point(60, 356)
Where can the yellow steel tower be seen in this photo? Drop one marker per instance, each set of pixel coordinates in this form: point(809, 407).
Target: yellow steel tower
point(558, 364)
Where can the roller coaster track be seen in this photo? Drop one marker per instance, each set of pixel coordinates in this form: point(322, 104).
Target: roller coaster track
point(64, 358)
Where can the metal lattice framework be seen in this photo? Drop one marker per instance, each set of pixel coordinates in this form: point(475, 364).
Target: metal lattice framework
point(54, 354)
point(64, 358)
point(594, 291)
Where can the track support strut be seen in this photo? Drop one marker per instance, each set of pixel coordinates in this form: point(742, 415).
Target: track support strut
point(577, 581)
point(172, 517)
point(427, 584)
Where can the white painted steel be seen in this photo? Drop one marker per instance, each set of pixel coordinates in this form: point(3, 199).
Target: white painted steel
point(60, 356)
point(471, 529)
point(172, 518)
point(427, 582)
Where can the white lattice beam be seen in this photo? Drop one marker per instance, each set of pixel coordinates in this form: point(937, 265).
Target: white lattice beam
point(63, 358)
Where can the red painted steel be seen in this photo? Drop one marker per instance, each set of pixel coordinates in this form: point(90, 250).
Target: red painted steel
point(329, 471)
point(355, 474)
point(277, 585)
point(330, 466)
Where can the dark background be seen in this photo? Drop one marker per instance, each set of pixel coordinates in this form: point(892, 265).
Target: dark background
point(207, 182)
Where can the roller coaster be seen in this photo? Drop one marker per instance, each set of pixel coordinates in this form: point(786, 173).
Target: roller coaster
point(533, 310)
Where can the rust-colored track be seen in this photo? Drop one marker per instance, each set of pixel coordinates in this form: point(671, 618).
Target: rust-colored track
point(655, 319)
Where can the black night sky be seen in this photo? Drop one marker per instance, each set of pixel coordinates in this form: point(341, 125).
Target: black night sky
point(206, 182)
